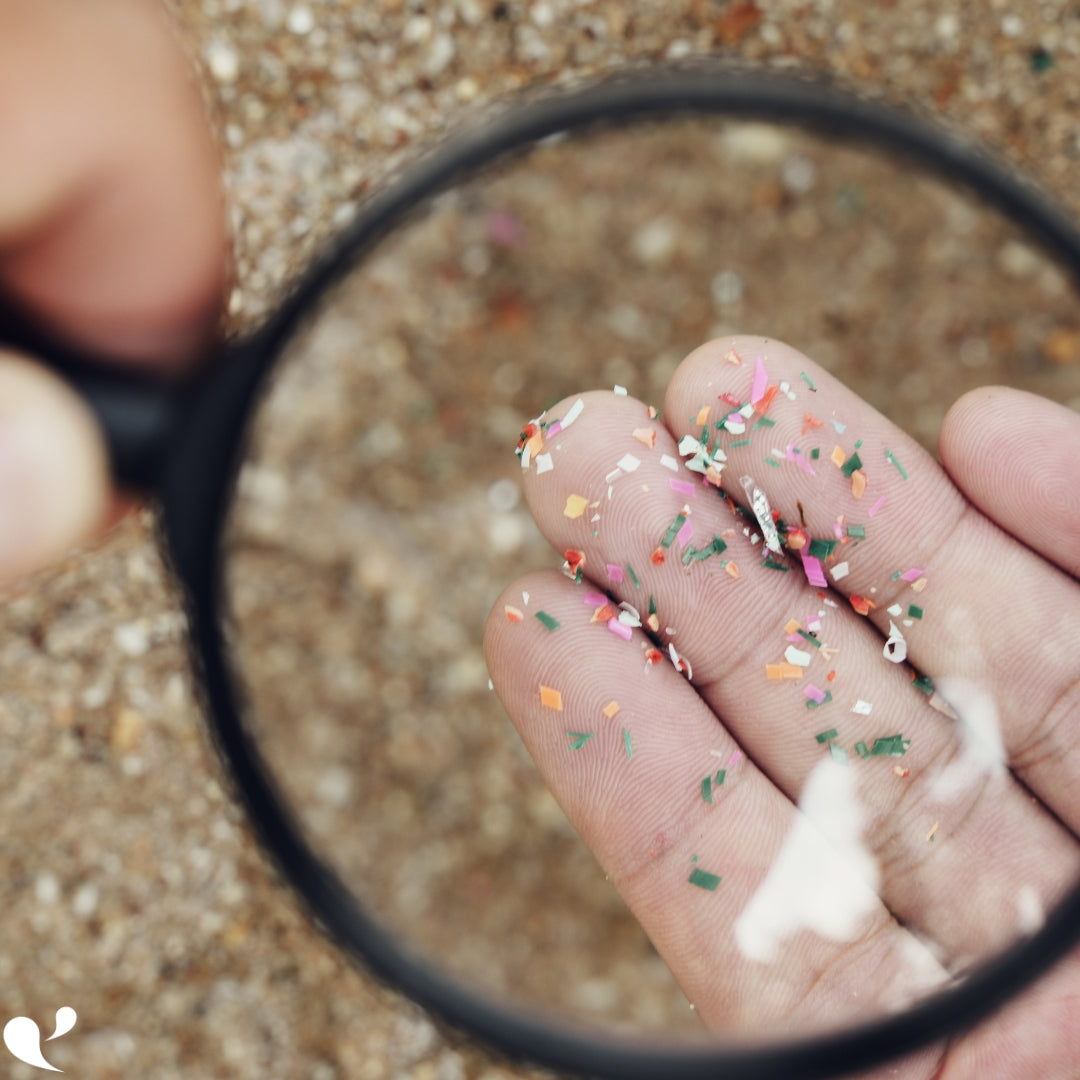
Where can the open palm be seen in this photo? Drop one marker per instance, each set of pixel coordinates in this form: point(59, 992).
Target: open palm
point(811, 698)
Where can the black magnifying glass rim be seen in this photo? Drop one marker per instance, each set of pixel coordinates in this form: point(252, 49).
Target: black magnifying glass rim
point(200, 474)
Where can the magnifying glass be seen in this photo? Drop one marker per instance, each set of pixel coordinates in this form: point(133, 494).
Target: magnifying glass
point(340, 499)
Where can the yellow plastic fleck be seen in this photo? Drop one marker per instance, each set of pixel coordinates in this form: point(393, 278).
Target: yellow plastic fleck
point(838, 456)
point(858, 483)
point(611, 709)
point(575, 506)
point(783, 671)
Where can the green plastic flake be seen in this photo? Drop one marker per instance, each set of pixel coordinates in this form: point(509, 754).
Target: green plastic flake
point(838, 753)
point(776, 566)
point(711, 783)
point(822, 549)
point(704, 880)
point(815, 453)
point(862, 749)
point(924, 684)
point(633, 576)
point(579, 738)
point(890, 746)
point(673, 530)
point(765, 421)
point(739, 442)
point(812, 704)
point(826, 736)
point(806, 379)
point(693, 554)
point(549, 621)
point(809, 638)
point(915, 611)
point(857, 532)
point(891, 458)
point(773, 463)
point(652, 605)
point(854, 462)
point(628, 744)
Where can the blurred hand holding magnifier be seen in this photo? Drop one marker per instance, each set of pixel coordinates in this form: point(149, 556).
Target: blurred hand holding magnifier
point(807, 708)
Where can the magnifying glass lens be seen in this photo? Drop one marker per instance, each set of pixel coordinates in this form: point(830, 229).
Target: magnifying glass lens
point(379, 514)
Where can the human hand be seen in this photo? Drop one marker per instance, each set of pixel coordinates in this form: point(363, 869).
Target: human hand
point(112, 234)
point(679, 749)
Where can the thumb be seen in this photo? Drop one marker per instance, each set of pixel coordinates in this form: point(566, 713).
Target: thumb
point(54, 487)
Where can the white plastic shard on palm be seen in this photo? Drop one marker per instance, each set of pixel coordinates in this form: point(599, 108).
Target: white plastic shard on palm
point(824, 879)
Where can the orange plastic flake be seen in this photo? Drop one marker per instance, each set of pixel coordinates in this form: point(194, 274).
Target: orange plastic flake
point(653, 623)
point(732, 569)
point(861, 604)
point(513, 614)
point(838, 457)
point(654, 656)
point(796, 538)
point(658, 557)
point(783, 671)
point(831, 677)
point(918, 585)
point(811, 421)
point(604, 614)
point(766, 399)
point(712, 474)
point(574, 559)
point(550, 698)
point(792, 626)
point(858, 483)
point(652, 413)
point(646, 436)
point(901, 771)
point(703, 415)
point(611, 709)
point(575, 506)
point(732, 357)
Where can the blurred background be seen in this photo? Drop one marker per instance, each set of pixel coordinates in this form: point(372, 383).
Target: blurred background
point(131, 887)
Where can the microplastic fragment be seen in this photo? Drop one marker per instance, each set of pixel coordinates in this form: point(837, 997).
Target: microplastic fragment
point(857, 532)
point(933, 831)
point(669, 463)
point(839, 571)
point(891, 457)
point(549, 621)
point(646, 436)
point(614, 573)
point(759, 503)
point(658, 557)
point(730, 568)
point(513, 614)
point(764, 422)
point(925, 684)
point(761, 381)
point(862, 749)
point(806, 379)
point(896, 647)
point(858, 484)
point(873, 511)
point(611, 709)
point(797, 656)
point(838, 753)
point(550, 698)
point(573, 412)
point(783, 671)
point(628, 744)
point(814, 572)
point(629, 463)
point(911, 575)
point(822, 549)
point(815, 453)
point(619, 390)
point(703, 879)
point(861, 604)
point(633, 576)
point(890, 746)
point(769, 564)
point(838, 456)
point(826, 736)
point(862, 708)
point(594, 599)
point(915, 611)
point(732, 357)
point(620, 629)
point(683, 487)
point(808, 637)
point(673, 530)
point(813, 703)
point(544, 464)
point(575, 506)
point(702, 415)
point(579, 738)
point(814, 693)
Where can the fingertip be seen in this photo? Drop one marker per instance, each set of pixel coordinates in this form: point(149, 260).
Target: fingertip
point(54, 483)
